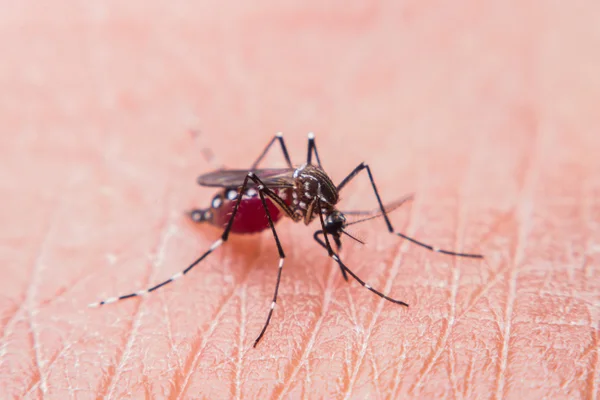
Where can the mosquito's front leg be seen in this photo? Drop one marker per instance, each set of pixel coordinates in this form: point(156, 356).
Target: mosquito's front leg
point(325, 244)
point(363, 166)
point(262, 190)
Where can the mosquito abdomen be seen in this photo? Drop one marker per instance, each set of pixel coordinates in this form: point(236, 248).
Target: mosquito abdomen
point(251, 217)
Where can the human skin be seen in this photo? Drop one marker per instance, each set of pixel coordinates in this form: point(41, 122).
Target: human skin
point(487, 111)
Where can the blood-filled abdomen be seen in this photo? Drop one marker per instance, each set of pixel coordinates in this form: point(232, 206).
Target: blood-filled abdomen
point(251, 216)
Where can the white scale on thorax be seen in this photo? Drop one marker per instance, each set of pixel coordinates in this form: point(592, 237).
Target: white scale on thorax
point(298, 170)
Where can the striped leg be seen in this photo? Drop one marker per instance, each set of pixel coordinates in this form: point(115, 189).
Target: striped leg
point(312, 148)
point(363, 166)
point(262, 190)
point(327, 246)
point(178, 275)
point(278, 137)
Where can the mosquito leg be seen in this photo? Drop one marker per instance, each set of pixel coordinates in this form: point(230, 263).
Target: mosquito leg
point(363, 166)
point(324, 245)
point(279, 138)
point(337, 259)
point(366, 285)
point(262, 190)
point(178, 275)
point(312, 148)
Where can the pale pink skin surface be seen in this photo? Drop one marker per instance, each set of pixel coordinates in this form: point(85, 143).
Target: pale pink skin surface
point(489, 112)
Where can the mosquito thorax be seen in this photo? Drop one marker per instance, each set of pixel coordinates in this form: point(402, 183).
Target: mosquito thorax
point(311, 183)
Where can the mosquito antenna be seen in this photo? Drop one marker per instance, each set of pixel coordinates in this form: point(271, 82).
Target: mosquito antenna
point(364, 219)
point(388, 207)
point(352, 237)
point(377, 213)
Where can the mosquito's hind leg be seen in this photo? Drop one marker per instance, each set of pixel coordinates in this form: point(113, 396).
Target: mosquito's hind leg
point(198, 214)
point(178, 275)
point(312, 148)
point(279, 138)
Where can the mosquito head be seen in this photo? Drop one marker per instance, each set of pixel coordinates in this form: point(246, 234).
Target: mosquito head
point(335, 223)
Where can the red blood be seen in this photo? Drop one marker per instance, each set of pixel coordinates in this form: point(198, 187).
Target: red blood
point(251, 216)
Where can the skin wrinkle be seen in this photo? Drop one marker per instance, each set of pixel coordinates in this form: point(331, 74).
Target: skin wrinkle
point(29, 302)
point(213, 325)
point(25, 305)
point(168, 323)
point(375, 379)
point(494, 280)
point(452, 319)
point(453, 292)
point(307, 378)
point(8, 327)
point(50, 364)
point(237, 389)
point(297, 365)
point(454, 287)
point(469, 378)
point(354, 319)
point(68, 288)
point(202, 340)
point(451, 361)
point(110, 385)
point(524, 213)
point(40, 376)
point(187, 371)
point(594, 374)
point(398, 256)
point(445, 334)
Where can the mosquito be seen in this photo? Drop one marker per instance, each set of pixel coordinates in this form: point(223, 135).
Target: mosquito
point(253, 200)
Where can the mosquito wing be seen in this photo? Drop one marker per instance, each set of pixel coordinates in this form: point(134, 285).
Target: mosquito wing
point(234, 178)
